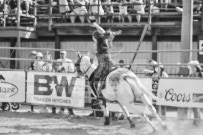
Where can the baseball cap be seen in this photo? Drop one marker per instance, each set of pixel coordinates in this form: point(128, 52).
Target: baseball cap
point(34, 53)
point(63, 52)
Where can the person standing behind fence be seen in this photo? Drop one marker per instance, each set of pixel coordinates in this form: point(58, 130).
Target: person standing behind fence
point(67, 67)
point(47, 67)
point(195, 70)
point(33, 56)
point(156, 72)
point(38, 63)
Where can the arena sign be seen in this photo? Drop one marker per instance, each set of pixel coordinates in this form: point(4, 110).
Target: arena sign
point(181, 92)
point(12, 86)
point(60, 89)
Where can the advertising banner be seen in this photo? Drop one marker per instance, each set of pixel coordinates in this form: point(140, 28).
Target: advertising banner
point(181, 92)
point(200, 47)
point(114, 107)
point(12, 86)
point(60, 89)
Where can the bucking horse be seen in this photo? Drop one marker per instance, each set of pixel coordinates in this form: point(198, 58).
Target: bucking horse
point(123, 87)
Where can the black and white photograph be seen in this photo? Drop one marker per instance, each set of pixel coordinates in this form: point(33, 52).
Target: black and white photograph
point(101, 67)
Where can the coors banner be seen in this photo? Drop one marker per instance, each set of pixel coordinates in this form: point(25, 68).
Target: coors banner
point(181, 92)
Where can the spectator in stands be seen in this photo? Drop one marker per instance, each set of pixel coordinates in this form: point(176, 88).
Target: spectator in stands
point(196, 7)
point(123, 10)
point(195, 70)
point(164, 3)
point(13, 4)
point(96, 8)
point(67, 66)
point(64, 6)
point(156, 71)
point(137, 9)
point(25, 5)
point(109, 10)
point(79, 10)
point(4, 10)
point(154, 9)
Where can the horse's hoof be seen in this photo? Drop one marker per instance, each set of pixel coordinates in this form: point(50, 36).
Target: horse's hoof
point(164, 127)
point(154, 130)
point(132, 125)
point(107, 121)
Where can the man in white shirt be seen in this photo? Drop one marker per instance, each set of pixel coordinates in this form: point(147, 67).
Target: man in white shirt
point(67, 64)
point(67, 67)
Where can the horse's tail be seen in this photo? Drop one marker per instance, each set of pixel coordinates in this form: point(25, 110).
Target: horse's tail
point(135, 83)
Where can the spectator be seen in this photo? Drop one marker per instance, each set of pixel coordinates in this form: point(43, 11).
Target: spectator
point(4, 10)
point(195, 70)
point(156, 71)
point(123, 10)
point(122, 64)
point(109, 11)
point(47, 67)
point(154, 9)
point(64, 6)
point(25, 5)
point(164, 3)
point(67, 64)
point(196, 7)
point(96, 9)
point(67, 67)
point(13, 5)
point(137, 8)
point(48, 64)
point(38, 64)
point(57, 66)
point(33, 56)
point(79, 10)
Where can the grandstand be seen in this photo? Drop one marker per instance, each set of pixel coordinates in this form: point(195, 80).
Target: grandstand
point(46, 27)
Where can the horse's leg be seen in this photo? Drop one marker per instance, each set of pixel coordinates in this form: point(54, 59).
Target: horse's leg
point(105, 111)
point(147, 102)
point(133, 108)
point(132, 124)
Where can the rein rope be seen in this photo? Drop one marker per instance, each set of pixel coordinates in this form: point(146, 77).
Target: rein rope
point(87, 69)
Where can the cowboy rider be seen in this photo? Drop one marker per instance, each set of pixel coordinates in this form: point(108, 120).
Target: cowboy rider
point(103, 41)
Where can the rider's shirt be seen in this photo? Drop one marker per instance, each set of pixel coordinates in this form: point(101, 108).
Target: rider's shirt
point(102, 42)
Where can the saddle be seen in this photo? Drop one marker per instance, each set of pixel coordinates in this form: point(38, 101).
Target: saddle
point(97, 84)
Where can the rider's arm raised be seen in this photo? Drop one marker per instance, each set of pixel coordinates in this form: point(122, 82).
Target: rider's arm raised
point(99, 28)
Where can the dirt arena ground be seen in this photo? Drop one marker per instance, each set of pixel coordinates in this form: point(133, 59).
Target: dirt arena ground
point(23, 122)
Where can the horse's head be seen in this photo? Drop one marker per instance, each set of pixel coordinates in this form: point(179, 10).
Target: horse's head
point(83, 64)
